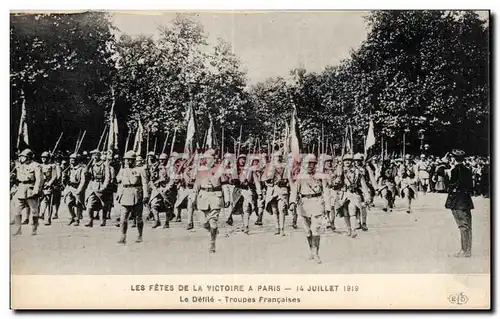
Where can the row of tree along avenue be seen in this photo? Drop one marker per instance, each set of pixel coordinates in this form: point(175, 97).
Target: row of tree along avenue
point(419, 76)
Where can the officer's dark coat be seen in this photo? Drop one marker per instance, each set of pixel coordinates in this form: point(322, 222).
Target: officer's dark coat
point(460, 189)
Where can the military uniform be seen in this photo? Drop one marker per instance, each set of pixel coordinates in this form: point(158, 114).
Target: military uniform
point(459, 200)
point(160, 188)
point(99, 179)
point(30, 180)
point(423, 173)
point(57, 189)
point(310, 195)
point(210, 198)
point(353, 194)
point(74, 194)
point(332, 174)
point(49, 177)
point(246, 192)
point(387, 185)
point(278, 191)
point(132, 194)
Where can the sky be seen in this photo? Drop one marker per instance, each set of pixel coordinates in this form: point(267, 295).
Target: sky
point(270, 43)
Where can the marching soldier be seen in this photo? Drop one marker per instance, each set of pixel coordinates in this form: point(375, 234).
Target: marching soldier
point(210, 197)
point(258, 164)
point(311, 197)
point(229, 166)
point(160, 187)
point(49, 177)
point(132, 194)
point(278, 191)
point(109, 190)
point(179, 194)
point(331, 173)
point(352, 195)
point(30, 180)
point(459, 200)
point(387, 185)
point(408, 186)
point(423, 173)
point(247, 186)
point(152, 170)
point(57, 186)
point(74, 193)
point(99, 179)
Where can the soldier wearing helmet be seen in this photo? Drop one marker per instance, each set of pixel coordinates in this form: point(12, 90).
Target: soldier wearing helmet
point(74, 193)
point(49, 177)
point(353, 194)
point(30, 181)
point(310, 196)
point(107, 193)
point(160, 188)
point(57, 187)
point(209, 194)
point(99, 178)
point(278, 191)
point(132, 194)
point(247, 190)
point(179, 193)
point(331, 173)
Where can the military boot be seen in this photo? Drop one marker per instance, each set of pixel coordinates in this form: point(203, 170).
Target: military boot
point(18, 223)
point(213, 236)
point(311, 249)
point(140, 228)
point(35, 226)
point(316, 241)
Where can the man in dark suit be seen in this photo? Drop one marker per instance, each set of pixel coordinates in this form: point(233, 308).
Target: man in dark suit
point(460, 202)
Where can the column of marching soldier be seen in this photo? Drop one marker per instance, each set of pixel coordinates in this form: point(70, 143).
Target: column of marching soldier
point(318, 189)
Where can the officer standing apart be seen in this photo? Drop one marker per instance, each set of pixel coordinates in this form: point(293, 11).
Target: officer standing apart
point(132, 194)
point(30, 179)
point(210, 197)
point(310, 195)
point(459, 200)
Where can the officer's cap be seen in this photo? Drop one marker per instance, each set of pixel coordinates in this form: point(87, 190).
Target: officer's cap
point(45, 154)
point(163, 156)
point(74, 155)
point(96, 152)
point(26, 153)
point(130, 155)
point(358, 157)
point(310, 158)
point(327, 158)
point(278, 154)
point(458, 153)
point(347, 157)
point(151, 154)
point(209, 153)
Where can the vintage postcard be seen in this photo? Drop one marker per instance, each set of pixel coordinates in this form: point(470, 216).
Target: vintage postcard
point(250, 160)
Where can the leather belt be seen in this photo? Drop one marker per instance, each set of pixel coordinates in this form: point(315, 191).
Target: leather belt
point(211, 189)
point(311, 195)
point(27, 183)
point(131, 186)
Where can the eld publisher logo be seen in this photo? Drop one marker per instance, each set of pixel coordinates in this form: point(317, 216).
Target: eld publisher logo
point(458, 298)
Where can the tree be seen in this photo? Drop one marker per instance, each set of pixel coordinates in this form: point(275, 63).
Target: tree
point(63, 63)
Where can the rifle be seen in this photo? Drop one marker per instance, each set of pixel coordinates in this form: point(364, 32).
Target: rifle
point(80, 142)
point(57, 143)
point(165, 143)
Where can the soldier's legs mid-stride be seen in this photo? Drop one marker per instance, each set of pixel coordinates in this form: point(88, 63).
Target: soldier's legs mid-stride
point(93, 205)
point(313, 228)
point(157, 205)
point(463, 218)
point(349, 212)
point(211, 224)
point(29, 204)
point(279, 209)
point(408, 195)
point(47, 207)
point(128, 211)
point(190, 211)
point(74, 209)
